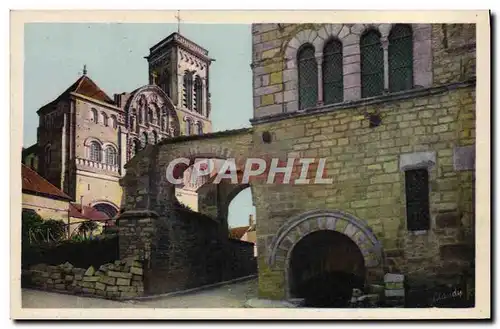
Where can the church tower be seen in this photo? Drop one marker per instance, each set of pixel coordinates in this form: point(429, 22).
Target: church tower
point(180, 68)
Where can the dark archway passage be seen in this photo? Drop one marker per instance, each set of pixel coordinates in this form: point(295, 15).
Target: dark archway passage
point(107, 209)
point(324, 268)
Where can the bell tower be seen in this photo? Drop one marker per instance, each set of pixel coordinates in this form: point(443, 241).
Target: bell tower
point(180, 68)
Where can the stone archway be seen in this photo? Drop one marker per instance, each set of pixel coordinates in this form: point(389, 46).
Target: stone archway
point(106, 207)
point(297, 228)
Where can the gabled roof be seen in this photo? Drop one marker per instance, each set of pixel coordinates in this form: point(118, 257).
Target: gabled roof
point(89, 213)
point(35, 184)
point(238, 232)
point(83, 86)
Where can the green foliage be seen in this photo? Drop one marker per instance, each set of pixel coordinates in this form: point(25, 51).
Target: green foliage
point(30, 222)
point(34, 228)
point(55, 228)
point(87, 227)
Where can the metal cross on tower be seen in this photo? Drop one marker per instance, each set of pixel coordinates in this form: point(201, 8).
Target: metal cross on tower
point(178, 17)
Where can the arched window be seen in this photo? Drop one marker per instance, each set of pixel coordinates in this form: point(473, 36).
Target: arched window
point(114, 122)
point(47, 154)
point(158, 116)
point(144, 139)
point(137, 146)
point(308, 77)
point(132, 123)
point(333, 74)
point(94, 116)
point(150, 116)
point(372, 64)
point(188, 127)
point(400, 58)
point(111, 158)
point(164, 82)
point(95, 152)
point(155, 137)
point(104, 119)
point(199, 127)
point(188, 90)
point(198, 94)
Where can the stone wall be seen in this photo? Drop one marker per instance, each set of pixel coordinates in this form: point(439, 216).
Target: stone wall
point(119, 280)
point(435, 122)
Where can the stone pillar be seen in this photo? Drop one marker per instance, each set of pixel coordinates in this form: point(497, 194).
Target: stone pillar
point(319, 61)
point(385, 45)
point(136, 231)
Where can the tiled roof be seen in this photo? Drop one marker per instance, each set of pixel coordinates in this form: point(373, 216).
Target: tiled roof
point(89, 213)
point(238, 232)
point(36, 184)
point(83, 86)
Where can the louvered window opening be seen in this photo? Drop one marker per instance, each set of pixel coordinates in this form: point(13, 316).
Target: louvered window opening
point(333, 84)
point(417, 199)
point(308, 77)
point(400, 58)
point(372, 65)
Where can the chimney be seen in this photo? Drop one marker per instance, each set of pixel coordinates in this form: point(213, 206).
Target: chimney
point(250, 220)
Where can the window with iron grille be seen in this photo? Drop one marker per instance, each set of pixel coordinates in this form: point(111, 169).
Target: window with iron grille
point(308, 77)
point(400, 58)
point(188, 90)
point(417, 199)
point(95, 152)
point(372, 64)
point(198, 94)
point(333, 74)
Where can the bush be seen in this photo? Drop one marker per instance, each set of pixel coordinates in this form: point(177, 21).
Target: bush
point(79, 253)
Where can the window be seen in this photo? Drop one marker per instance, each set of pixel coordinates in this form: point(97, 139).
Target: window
point(200, 128)
point(104, 119)
point(32, 163)
point(417, 199)
point(188, 127)
point(144, 139)
point(198, 94)
point(155, 137)
point(164, 82)
point(150, 116)
point(400, 58)
point(47, 155)
point(188, 90)
point(158, 117)
point(95, 152)
point(94, 116)
point(114, 122)
point(164, 123)
point(308, 77)
point(333, 74)
point(111, 156)
point(137, 146)
point(372, 64)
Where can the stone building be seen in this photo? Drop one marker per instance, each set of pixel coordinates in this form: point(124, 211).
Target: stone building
point(85, 137)
point(391, 108)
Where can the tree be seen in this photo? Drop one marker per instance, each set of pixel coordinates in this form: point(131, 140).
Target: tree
point(53, 229)
point(31, 224)
point(87, 227)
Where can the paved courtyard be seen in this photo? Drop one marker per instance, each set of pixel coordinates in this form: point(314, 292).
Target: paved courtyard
point(230, 295)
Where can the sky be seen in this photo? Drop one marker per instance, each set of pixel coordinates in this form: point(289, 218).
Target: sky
point(114, 55)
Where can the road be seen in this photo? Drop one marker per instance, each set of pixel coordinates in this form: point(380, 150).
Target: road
point(227, 296)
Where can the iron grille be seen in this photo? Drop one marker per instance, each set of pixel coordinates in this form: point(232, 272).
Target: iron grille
point(400, 58)
point(198, 95)
point(308, 78)
point(417, 199)
point(188, 90)
point(333, 75)
point(372, 64)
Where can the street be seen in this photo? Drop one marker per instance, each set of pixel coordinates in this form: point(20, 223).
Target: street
point(227, 296)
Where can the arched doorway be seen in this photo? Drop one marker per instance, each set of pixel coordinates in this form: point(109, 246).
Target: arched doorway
point(318, 236)
point(324, 268)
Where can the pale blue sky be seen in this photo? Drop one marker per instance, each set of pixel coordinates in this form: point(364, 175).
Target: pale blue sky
point(114, 55)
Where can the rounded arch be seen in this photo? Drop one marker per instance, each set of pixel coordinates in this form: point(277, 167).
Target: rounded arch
point(89, 141)
point(106, 207)
point(299, 226)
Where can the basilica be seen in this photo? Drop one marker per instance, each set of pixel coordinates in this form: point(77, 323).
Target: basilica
point(85, 137)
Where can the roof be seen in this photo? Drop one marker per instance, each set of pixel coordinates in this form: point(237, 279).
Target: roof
point(89, 213)
point(36, 184)
point(83, 86)
point(29, 150)
point(238, 232)
point(217, 134)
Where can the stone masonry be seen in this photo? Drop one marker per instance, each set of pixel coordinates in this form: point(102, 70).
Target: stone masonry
point(368, 145)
